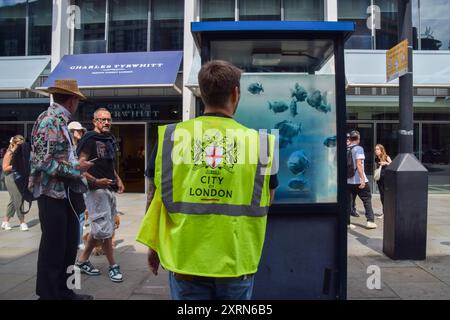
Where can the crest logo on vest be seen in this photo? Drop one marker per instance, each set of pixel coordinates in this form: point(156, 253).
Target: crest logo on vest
point(213, 156)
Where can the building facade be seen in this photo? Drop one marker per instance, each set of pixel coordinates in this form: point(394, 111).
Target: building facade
point(41, 32)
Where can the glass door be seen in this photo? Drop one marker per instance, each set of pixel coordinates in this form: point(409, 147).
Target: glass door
point(130, 161)
point(436, 155)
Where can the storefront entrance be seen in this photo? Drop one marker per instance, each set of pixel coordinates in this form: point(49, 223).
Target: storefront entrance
point(431, 147)
point(131, 156)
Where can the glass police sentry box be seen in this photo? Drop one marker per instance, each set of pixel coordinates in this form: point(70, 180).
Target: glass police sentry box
point(294, 84)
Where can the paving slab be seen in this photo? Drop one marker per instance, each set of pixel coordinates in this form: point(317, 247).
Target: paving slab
point(421, 291)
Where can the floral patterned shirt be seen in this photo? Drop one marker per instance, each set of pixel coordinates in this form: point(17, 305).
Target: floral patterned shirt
point(53, 156)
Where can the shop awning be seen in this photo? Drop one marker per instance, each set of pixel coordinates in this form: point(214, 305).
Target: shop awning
point(157, 69)
point(20, 73)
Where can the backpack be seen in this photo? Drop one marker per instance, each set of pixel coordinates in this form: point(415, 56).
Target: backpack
point(351, 170)
point(21, 165)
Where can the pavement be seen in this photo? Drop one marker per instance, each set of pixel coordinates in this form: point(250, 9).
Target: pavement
point(428, 279)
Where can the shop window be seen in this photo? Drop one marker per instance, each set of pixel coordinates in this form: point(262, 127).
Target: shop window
point(12, 27)
point(90, 38)
point(217, 10)
point(259, 10)
point(128, 26)
point(303, 10)
point(431, 21)
point(384, 13)
point(167, 25)
point(436, 155)
point(40, 27)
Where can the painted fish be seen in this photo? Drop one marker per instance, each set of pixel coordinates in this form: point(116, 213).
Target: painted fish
point(318, 102)
point(299, 93)
point(288, 129)
point(298, 162)
point(298, 183)
point(293, 108)
point(278, 106)
point(330, 142)
point(255, 88)
point(283, 142)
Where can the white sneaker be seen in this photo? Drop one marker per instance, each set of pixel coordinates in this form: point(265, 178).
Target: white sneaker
point(23, 227)
point(6, 226)
point(371, 225)
point(351, 226)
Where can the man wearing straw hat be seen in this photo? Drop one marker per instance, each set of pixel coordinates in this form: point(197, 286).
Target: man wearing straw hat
point(55, 174)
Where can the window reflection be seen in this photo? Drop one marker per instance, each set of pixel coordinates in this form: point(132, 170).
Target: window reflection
point(128, 26)
point(40, 27)
point(259, 10)
point(303, 10)
point(356, 11)
point(90, 38)
point(217, 10)
point(12, 27)
point(436, 155)
point(434, 30)
point(167, 25)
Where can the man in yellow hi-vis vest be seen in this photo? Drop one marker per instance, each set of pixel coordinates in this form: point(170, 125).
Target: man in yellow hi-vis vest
point(213, 184)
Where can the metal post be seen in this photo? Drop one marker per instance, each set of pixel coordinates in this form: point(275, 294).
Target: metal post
point(405, 179)
point(406, 139)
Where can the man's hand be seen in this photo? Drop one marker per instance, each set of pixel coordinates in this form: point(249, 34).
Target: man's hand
point(153, 261)
point(84, 165)
point(120, 186)
point(103, 183)
point(362, 185)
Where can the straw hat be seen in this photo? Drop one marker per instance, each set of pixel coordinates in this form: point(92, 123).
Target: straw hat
point(66, 86)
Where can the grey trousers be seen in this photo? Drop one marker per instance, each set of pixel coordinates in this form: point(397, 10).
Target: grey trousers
point(15, 196)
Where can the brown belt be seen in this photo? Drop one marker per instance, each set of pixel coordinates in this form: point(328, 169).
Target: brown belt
point(187, 277)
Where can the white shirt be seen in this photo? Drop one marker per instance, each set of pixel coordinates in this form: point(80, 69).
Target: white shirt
point(357, 154)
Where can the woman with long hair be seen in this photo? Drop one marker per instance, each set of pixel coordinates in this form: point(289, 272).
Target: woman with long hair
point(15, 201)
point(382, 160)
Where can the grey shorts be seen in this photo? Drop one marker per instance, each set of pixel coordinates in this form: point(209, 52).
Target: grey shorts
point(101, 206)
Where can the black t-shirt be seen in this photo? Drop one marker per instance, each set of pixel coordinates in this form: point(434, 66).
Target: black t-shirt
point(383, 168)
point(105, 153)
point(150, 171)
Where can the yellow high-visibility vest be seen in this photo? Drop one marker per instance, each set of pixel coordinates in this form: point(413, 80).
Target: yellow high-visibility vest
point(208, 214)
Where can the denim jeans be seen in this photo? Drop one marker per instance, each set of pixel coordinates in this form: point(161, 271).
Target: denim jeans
point(81, 216)
point(220, 289)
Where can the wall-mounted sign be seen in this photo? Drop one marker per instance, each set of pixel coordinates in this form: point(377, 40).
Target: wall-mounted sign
point(397, 61)
point(135, 111)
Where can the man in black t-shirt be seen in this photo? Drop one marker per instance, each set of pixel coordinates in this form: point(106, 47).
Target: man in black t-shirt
point(99, 147)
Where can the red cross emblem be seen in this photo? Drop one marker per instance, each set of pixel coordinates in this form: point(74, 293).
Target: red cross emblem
point(214, 156)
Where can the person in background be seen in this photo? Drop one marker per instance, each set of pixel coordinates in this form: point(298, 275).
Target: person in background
point(353, 212)
point(359, 184)
point(382, 160)
point(99, 145)
point(55, 172)
point(2, 174)
point(15, 201)
point(77, 131)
